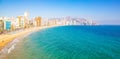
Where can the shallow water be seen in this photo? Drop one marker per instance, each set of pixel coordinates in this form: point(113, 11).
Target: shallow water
point(70, 42)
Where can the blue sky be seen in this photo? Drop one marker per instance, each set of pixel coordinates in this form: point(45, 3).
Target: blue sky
point(102, 11)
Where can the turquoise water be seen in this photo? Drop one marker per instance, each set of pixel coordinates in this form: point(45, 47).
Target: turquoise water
point(70, 42)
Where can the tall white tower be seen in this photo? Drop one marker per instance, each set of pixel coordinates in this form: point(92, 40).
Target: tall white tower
point(26, 14)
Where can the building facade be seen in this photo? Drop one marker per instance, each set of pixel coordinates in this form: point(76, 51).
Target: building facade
point(1, 26)
point(7, 25)
point(37, 21)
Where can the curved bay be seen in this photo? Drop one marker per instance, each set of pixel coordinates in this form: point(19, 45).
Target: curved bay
point(70, 42)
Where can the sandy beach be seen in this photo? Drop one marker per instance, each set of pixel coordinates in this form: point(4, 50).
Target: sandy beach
point(7, 38)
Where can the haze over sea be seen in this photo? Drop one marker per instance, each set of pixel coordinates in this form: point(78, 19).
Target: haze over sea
point(70, 42)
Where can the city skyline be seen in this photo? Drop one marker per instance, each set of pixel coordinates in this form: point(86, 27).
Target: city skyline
point(101, 11)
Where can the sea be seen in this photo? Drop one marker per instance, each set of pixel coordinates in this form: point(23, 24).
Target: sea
point(70, 42)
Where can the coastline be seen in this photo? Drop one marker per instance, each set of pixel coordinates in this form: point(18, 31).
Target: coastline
point(7, 40)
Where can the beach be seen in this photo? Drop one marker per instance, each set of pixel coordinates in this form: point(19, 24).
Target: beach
point(5, 39)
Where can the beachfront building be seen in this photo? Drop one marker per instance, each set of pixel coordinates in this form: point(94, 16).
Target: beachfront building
point(31, 22)
point(20, 23)
point(26, 23)
point(37, 21)
point(1, 25)
point(13, 23)
point(7, 25)
point(44, 22)
point(26, 20)
point(52, 22)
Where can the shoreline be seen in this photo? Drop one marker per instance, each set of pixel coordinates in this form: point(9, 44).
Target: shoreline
point(7, 39)
point(11, 46)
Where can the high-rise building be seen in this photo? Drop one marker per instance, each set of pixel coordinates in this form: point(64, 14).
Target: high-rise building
point(21, 22)
point(26, 14)
point(7, 25)
point(26, 19)
point(37, 21)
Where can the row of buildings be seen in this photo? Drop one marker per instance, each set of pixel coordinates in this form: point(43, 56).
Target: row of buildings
point(19, 22)
point(23, 22)
point(69, 21)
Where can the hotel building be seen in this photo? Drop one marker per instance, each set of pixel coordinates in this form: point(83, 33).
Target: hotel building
point(7, 24)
